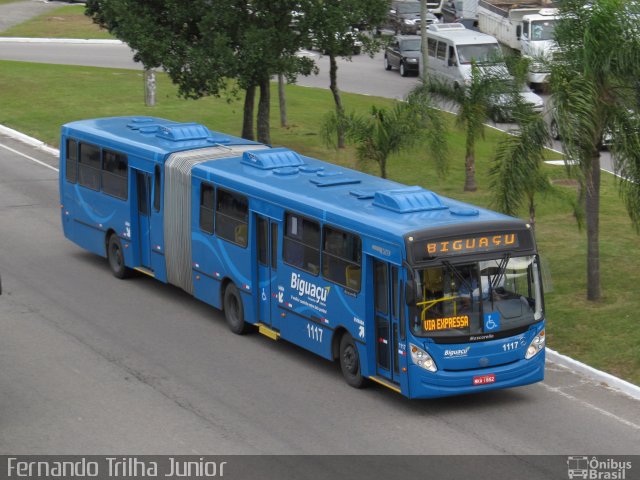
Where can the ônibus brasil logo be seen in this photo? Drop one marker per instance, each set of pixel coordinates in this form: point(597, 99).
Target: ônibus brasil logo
point(597, 469)
point(304, 287)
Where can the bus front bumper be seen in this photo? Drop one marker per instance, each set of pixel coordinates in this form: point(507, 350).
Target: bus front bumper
point(423, 384)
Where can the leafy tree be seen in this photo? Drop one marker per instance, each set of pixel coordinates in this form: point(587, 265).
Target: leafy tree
point(203, 44)
point(476, 103)
point(594, 93)
point(333, 24)
point(387, 131)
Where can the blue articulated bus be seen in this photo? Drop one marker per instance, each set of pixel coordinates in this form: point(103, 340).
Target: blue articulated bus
point(423, 294)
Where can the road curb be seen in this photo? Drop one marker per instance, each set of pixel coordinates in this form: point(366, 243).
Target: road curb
point(583, 369)
point(60, 40)
point(34, 142)
point(597, 375)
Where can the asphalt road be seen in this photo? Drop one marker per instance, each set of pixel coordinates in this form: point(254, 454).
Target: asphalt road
point(92, 364)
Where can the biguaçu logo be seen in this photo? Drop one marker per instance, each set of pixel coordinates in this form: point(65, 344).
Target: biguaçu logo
point(456, 353)
point(318, 294)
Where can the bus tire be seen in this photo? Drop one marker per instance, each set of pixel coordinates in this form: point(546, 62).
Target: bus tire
point(234, 310)
point(350, 362)
point(115, 256)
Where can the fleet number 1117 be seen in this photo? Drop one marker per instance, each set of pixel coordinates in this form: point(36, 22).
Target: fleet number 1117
point(314, 332)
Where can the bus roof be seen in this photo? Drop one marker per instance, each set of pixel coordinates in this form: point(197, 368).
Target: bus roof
point(348, 198)
point(150, 134)
point(344, 197)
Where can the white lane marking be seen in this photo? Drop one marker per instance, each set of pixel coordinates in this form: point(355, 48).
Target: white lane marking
point(602, 411)
point(39, 162)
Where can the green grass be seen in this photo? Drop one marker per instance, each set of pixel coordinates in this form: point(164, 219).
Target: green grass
point(37, 99)
point(2, 2)
point(63, 22)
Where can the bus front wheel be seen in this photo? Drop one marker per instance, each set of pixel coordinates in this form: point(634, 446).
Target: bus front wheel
point(350, 362)
point(115, 256)
point(234, 310)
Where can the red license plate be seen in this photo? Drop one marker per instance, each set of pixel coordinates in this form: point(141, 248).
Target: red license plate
point(484, 379)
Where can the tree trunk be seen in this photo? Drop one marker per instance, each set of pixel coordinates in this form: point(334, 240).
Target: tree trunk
point(247, 113)
point(333, 85)
point(532, 209)
point(470, 166)
point(149, 87)
point(264, 105)
point(592, 209)
point(423, 42)
point(282, 100)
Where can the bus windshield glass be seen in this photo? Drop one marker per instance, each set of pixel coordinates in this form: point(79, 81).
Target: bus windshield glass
point(477, 298)
point(482, 53)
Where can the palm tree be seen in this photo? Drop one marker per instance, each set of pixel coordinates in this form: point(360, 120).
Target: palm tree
point(517, 175)
point(475, 102)
point(594, 94)
point(386, 131)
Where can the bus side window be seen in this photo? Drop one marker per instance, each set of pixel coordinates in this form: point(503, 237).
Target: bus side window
point(156, 188)
point(115, 174)
point(71, 161)
point(206, 207)
point(341, 258)
point(232, 217)
point(89, 168)
point(301, 248)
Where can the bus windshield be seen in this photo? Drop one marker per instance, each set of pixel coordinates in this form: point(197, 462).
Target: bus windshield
point(478, 297)
point(481, 53)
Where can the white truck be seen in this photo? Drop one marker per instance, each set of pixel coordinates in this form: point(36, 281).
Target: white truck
point(526, 27)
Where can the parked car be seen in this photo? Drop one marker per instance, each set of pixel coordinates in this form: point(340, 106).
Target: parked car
point(554, 131)
point(404, 17)
point(501, 111)
point(403, 53)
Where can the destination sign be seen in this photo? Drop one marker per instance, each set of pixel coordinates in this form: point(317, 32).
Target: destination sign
point(435, 324)
point(483, 243)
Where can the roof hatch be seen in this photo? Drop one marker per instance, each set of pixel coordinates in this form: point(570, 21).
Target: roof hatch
point(407, 200)
point(179, 132)
point(271, 158)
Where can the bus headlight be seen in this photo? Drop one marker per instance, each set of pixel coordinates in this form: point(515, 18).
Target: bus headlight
point(536, 345)
point(422, 358)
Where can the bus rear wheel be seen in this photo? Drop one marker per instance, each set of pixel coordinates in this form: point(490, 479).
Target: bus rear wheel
point(350, 362)
point(234, 310)
point(115, 256)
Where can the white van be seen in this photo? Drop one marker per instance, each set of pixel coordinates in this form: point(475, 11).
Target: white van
point(452, 48)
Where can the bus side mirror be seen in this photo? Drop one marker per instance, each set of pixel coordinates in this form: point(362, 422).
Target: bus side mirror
point(409, 293)
point(519, 32)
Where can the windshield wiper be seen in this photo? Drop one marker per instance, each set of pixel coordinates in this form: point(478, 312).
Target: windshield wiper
point(502, 268)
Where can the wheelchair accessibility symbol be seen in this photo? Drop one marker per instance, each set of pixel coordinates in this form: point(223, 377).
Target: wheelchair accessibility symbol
point(264, 295)
point(491, 321)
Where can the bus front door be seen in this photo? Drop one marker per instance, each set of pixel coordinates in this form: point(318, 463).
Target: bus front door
point(143, 184)
point(387, 314)
point(267, 259)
